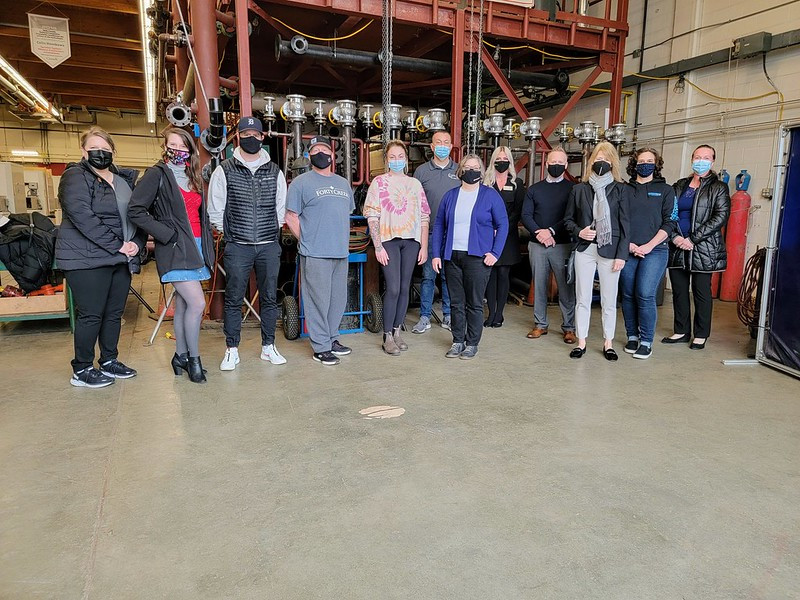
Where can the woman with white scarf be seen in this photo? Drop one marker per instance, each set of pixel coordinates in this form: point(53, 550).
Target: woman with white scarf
point(598, 217)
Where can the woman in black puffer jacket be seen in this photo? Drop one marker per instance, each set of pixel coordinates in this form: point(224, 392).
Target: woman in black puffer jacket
point(698, 248)
point(97, 248)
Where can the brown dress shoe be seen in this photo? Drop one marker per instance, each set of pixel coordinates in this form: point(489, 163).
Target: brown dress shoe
point(536, 332)
point(569, 337)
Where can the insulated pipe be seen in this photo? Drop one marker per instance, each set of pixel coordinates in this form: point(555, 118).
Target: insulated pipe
point(297, 143)
point(530, 170)
point(348, 153)
point(204, 31)
point(187, 95)
point(298, 46)
point(243, 58)
point(181, 54)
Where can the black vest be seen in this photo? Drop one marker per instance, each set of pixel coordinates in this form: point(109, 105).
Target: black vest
point(250, 213)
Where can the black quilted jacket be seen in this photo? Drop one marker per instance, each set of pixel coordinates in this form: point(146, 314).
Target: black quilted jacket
point(91, 232)
point(27, 245)
point(710, 212)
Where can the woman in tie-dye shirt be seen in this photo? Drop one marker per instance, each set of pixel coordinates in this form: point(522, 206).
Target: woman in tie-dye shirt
point(398, 216)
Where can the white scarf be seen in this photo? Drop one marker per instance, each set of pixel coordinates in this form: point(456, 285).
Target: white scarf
point(602, 214)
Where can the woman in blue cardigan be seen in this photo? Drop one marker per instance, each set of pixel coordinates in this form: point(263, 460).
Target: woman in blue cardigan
point(469, 234)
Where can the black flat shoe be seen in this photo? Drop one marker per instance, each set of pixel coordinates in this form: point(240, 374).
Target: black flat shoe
point(577, 352)
point(694, 346)
point(610, 354)
point(487, 323)
point(500, 324)
point(681, 340)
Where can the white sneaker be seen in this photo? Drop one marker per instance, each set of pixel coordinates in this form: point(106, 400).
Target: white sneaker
point(230, 361)
point(270, 353)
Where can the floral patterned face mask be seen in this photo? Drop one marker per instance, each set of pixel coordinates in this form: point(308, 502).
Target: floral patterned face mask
point(176, 157)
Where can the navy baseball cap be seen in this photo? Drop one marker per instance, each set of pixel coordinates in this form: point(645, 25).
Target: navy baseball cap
point(320, 139)
point(250, 124)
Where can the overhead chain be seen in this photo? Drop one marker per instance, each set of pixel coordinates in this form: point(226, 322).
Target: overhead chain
point(470, 143)
point(479, 82)
point(386, 64)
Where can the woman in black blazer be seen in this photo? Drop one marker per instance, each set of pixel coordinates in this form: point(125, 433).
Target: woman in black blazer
point(503, 178)
point(598, 217)
point(168, 204)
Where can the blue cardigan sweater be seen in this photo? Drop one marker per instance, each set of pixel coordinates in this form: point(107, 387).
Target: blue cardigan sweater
point(488, 226)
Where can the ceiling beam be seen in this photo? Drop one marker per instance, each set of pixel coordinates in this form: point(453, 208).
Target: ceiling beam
point(121, 6)
point(101, 91)
point(91, 102)
point(426, 41)
point(42, 73)
point(110, 59)
point(76, 38)
point(112, 24)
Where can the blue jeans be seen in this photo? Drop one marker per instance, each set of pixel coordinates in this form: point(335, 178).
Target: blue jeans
point(427, 287)
point(639, 283)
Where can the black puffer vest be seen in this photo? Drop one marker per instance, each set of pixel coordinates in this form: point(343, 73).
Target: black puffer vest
point(250, 211)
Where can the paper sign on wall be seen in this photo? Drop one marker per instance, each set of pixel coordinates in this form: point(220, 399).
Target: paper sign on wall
point(50, 39)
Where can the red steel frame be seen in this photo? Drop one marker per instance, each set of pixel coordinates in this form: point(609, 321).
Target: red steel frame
point(603, 36)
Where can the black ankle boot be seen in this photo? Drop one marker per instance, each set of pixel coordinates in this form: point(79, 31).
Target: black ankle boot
point(195, 370)
point(179, 363)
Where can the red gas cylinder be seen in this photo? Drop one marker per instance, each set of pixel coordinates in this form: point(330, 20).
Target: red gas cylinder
point(736, 242)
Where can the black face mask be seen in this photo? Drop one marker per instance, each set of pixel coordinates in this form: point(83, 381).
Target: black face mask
point(100, 159)
point(556, 171)
point(601, 167)
point(471, 176)
point(321, 160)
point(251, 145)
point(501, 166)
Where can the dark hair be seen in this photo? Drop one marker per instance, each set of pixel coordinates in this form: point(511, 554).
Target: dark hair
point(95, 131)
point(634, 159)
point(193, 166)
point(713, 152)
point(395, 144)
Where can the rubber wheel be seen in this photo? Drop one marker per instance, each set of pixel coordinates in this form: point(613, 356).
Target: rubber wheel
point(373, 320)
point(290, 316)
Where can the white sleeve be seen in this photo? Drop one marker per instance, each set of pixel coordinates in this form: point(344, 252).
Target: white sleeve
point(217, 198)
point(280, 199)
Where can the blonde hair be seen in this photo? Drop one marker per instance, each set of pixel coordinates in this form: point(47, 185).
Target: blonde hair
point(611, 155)
point(460, 170)
point(95, 131)
point(491, 174)
point(557, 149)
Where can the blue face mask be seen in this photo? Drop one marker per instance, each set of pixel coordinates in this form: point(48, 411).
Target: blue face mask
point(645, 169)
point(397, 165)
point(701, 166)
point(441, 152)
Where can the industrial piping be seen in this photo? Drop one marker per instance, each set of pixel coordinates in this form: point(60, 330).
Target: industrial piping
point(299, 46)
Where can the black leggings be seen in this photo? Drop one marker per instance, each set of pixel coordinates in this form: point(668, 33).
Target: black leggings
point(403, 255)
point(100, 295)
point(497, 293)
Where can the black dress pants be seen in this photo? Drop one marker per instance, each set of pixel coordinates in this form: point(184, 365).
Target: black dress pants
point(100, 295)
point(699, 285)
point(467, 288)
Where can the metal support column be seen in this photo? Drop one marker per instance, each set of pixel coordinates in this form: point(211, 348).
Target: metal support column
point(503, 82)
point(181, 54)
point(204, 33)
point(243, 54)
point(457, 100)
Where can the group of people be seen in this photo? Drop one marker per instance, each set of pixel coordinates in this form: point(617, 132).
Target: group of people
point(459, 221)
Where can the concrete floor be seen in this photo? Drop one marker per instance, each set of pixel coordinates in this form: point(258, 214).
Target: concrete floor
point(522, 474)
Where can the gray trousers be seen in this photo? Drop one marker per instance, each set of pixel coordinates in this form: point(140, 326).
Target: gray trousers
point(543, 260)
point(324, 293)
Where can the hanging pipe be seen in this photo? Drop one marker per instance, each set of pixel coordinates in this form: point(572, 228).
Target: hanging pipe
point(348, 153)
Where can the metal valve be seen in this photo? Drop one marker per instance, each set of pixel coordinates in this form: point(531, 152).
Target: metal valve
point(344, 113)
point(616, 134)
point(586, 132)
point(531, 128)
point(563, 132)
point(294, 109)
point(435, 120)
point(510, 128)
point(320, 117)
point(269, 109)
point(494, 124)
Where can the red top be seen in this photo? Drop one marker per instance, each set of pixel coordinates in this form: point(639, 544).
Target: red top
point(193, 200)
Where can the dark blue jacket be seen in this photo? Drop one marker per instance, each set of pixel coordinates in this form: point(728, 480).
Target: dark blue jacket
point(488, 228)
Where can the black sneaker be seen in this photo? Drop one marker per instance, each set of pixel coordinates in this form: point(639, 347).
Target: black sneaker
point(326, 358)
point(631, 346)
point(115, 369)
point(340, 350)
point(91, 378)
point(643, 352)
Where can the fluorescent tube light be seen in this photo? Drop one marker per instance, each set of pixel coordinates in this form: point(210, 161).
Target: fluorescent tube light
point(149, 64)
point(28, 153)
point(19, 80)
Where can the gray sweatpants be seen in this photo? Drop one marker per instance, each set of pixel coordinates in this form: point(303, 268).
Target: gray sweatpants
point(324, 292)
point(543, 260)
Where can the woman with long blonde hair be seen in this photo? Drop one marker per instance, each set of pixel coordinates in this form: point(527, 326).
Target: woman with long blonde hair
point(501, 175)
point(598, 217)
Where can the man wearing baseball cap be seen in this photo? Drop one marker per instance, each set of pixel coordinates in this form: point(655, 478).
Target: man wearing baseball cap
point(247, 203)
point(318, 211)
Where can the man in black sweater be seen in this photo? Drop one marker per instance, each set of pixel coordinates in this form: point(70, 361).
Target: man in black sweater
point(550, 246)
